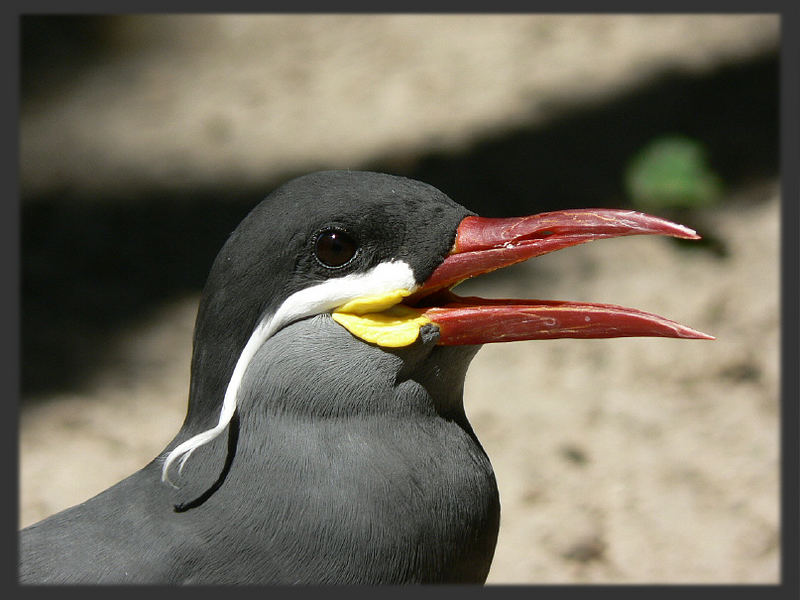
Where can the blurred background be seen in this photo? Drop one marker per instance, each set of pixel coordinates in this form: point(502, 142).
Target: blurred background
point(144, 140)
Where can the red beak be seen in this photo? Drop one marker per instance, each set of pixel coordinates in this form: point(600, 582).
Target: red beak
point(485, 244)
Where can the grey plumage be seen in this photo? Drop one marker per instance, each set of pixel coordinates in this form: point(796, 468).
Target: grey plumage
point(347, 463)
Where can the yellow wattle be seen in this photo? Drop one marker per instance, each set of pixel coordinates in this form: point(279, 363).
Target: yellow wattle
point(381, 319)
point(373, 304)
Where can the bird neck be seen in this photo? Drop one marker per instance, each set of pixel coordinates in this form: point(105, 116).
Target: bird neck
point(316, 368)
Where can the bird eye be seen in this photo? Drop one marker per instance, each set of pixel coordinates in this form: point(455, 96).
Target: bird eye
point(334, 248)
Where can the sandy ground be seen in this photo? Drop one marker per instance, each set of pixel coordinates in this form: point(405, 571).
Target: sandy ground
point(629, 460)
point(201, 100)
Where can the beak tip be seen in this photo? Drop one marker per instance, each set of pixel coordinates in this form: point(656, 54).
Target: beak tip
point(699, 335)
point(686, 233)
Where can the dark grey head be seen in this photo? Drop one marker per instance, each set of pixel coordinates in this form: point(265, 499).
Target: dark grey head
point(313, 244)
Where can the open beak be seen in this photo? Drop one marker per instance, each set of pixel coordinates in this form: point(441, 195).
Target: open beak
point(486, 244)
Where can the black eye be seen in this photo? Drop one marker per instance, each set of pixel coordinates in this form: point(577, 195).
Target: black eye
point(334, 248)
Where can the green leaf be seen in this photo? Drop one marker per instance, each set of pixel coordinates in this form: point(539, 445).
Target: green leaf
point(672, 172)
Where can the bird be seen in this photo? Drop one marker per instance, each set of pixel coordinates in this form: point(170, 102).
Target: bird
point(325, 439)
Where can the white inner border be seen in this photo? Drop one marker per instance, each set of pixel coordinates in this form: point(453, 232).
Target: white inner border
point(324, 297)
